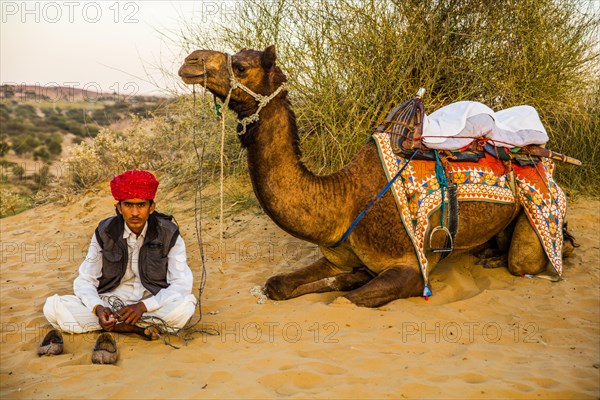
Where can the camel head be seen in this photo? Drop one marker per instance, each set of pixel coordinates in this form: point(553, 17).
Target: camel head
point(256, 70)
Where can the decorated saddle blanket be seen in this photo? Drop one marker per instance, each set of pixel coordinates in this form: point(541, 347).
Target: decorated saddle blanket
point(418, 196)
point(456, 125)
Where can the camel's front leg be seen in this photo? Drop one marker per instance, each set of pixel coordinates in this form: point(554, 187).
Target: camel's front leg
point(321, 276)
point(393, 283)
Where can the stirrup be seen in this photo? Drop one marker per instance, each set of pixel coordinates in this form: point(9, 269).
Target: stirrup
point(448, 236)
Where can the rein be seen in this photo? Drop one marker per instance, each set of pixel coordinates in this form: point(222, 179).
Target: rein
point(259, 98)
point(379, 196)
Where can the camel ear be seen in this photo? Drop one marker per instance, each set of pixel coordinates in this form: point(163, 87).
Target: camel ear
point(267, 60)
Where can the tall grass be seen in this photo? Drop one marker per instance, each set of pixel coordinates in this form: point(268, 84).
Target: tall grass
point(351, 61)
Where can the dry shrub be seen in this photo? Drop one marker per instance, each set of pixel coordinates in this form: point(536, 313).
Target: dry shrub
point(350, 62)
point(112, 152)
point(12, 203)
point(165, 144)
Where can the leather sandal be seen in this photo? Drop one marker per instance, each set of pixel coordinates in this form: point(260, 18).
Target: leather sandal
point(52, 344)
point(105, 350)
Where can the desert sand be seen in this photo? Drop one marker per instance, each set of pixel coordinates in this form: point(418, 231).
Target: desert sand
point(483, 334)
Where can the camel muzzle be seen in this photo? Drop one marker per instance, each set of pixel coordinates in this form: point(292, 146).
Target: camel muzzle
point(190, 78)
point(193, 69)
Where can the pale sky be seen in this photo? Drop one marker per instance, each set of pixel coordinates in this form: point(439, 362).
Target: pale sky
point(107, 45)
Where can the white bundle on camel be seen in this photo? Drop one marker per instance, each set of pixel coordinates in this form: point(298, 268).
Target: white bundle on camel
point(455, 126)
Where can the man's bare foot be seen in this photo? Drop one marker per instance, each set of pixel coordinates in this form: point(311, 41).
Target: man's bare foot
point(151, 333)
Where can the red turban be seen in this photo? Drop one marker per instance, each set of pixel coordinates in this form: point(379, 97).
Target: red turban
point(134, 184)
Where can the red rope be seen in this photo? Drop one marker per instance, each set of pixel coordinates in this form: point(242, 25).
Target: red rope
point(481, 139)
point(478, 138)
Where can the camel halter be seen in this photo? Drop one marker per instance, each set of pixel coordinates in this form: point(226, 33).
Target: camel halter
point(259, 98)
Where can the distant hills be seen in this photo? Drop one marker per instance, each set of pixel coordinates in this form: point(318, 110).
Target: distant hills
point(34, 117)
point(90, 93)
point(35, 120)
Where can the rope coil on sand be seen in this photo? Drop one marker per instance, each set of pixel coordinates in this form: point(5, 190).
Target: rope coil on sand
point(164, 330)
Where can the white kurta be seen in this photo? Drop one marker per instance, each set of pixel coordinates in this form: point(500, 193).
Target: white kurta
point(175, 304)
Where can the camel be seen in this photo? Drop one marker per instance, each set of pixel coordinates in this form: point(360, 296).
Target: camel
point(377, 263)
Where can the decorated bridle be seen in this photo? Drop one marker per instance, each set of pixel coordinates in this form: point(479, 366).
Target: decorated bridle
point(259, 98)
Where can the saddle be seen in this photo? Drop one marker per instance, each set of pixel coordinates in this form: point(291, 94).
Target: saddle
point(404, 125)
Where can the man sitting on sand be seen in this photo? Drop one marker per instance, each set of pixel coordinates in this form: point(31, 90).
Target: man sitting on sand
point(137, 256)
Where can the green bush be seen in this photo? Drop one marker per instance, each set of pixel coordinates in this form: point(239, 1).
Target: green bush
point(25, 111)
point(42, 153)
point(12, 203)
point(4, 113)
point(77, 114)
point(54, 144)
point(4, 148)
point(58, 121)
point(102, 117)
point(25, 143)
point(42, 178)
point(349, 62)
point(18, 171)
point(90, 130)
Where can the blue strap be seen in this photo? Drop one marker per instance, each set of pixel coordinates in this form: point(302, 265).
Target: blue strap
point(440, 175)
point(380, 195)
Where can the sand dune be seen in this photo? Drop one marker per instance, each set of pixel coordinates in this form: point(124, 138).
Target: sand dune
point(483, 334)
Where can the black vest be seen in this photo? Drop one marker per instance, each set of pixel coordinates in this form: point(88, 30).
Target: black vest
point(161, 236)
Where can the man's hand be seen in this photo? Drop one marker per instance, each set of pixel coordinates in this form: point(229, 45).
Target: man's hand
point(132, 313)
point(106, 319)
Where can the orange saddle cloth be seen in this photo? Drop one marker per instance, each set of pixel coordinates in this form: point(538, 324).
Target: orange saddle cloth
point(418, 196)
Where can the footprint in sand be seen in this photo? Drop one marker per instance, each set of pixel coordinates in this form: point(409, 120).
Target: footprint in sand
point(177, 373)
point(473, 378)
point(75, 360)
point(322, 368)
point(546, 383)
point(291, 382)
point(220, 377)
point(41, 365)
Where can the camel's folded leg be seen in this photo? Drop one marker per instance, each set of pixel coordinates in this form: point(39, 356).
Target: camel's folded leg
point(338, 283)
point(321, 276)
point(494, 253)
point(393, 283)
point(526, 254)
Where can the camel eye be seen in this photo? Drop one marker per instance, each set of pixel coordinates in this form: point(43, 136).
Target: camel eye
point(240, 68)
